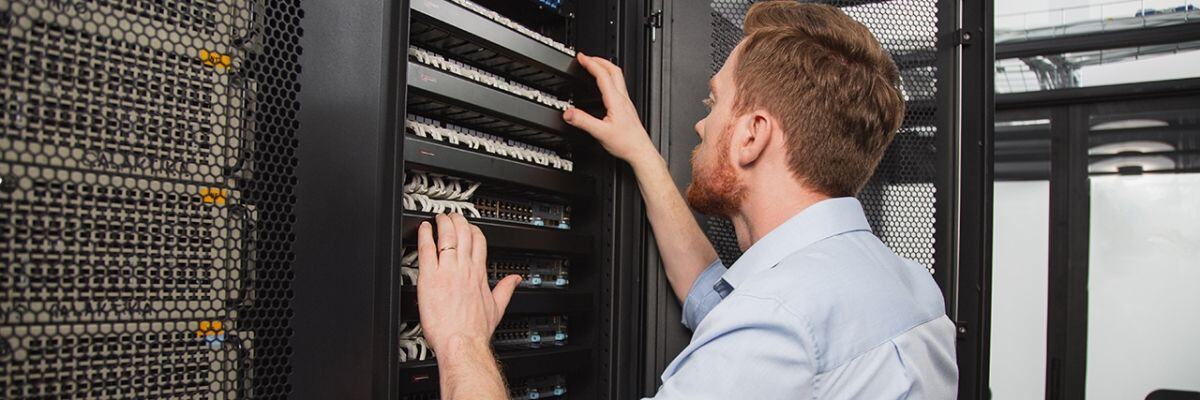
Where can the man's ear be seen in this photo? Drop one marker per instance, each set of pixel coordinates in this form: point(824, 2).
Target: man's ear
point(752, 133)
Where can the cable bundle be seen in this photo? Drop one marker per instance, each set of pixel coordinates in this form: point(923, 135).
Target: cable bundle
point(434, 193)
point(413, 346)
point(458, 68)
point(491, 144)
point(408, 269)
point(502, 20)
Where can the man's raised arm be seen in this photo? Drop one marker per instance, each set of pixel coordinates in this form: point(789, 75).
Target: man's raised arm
point(686, 252)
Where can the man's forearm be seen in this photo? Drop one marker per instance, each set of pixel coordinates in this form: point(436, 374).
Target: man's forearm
point(686, 252)
point(469, 372)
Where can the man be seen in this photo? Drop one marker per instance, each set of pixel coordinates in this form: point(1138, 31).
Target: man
point(817, 307)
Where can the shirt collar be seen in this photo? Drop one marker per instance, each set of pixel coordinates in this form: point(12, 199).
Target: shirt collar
point(822, 220)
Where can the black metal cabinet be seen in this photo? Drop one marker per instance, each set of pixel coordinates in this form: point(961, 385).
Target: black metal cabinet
point(414, 108)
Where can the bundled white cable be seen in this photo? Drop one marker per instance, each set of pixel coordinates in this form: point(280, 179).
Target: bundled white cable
point(434, 193)
point(413, 346)
point(408, 269)
point(466, 71)
point(491, 144)
point(502, 20)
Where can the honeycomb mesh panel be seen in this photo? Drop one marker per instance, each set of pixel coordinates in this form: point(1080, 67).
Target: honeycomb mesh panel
point(899, 199)
point(146, 193)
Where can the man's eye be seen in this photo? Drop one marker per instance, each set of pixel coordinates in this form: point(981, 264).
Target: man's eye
point(708, 102)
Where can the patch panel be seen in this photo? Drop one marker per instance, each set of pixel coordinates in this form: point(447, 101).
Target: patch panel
point(491, 144)
point(505, 21)
point(486, 78)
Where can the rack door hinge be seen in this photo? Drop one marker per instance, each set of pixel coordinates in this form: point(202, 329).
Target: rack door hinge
point(654, 22)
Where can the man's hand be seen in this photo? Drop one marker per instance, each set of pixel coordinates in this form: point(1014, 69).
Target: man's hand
point(686, 252)
point(458, 311)
point(620, 132)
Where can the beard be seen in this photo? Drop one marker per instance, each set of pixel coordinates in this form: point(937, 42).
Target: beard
point(715, 189)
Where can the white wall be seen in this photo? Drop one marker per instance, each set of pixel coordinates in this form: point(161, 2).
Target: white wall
point(1020, 248)
point(1144, 287)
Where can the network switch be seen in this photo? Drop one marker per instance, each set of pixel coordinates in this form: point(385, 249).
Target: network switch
point(437, 193)
point(519, 332)
point(536, 271)
point(540, 387)
point(513, 333)
point(522, 211)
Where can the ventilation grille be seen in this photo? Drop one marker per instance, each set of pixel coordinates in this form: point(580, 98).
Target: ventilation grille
point(146, 192)
point(899, 200)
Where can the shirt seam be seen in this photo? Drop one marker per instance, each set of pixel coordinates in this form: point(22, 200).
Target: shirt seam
point(883, 342)
point(803, 322)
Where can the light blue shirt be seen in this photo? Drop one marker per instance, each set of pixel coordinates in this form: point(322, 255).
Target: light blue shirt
point(819, 308)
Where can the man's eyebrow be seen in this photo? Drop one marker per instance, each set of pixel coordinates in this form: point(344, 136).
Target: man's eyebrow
point(712, 88)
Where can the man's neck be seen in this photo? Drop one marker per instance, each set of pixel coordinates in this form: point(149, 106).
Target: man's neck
point(764, 210)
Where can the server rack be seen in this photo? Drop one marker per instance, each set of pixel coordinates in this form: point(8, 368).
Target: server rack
point(147, 166)
point(217, 199)
point(452, 105)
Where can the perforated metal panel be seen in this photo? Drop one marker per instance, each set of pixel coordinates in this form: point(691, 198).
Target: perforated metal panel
point(146, 175)
point(899, 200)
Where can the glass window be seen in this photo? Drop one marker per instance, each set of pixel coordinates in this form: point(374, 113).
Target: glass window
point(1098, 68)
point(1020, 255)
point(1144, 277)
point(1041, 19)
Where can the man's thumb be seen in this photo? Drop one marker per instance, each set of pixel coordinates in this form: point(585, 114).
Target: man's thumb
point(504, 291)
point(580, 119)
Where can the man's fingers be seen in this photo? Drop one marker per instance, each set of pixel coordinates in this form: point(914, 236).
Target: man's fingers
point(582, 120)
point(427, 255)
point(462, 231)
point(504, 291)
point(608, 90)
point(447, 243)
point(615, 72)
point(479, 249)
